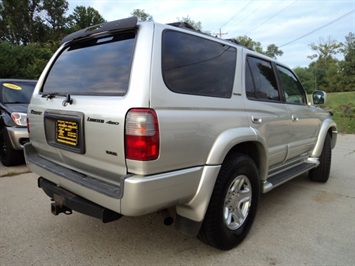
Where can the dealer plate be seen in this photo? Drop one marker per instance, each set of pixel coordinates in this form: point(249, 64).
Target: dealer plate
point(67, 132)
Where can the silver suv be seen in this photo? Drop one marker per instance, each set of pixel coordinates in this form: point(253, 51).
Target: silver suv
point(131, 118)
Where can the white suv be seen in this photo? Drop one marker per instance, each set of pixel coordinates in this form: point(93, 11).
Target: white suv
point(131, 118)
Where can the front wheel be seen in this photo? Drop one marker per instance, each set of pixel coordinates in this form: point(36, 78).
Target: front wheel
point(322, 171)
point(233, 203)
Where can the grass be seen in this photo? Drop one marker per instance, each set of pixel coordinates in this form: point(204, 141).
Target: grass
point(342, 104)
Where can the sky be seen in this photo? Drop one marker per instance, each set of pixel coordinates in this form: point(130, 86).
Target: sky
point(292, 25)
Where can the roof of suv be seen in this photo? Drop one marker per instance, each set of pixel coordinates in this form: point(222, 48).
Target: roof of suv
point(111, 26)
point(121, 24)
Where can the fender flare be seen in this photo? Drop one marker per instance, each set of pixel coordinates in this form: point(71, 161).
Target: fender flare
point(227, 140)
point(195, 209)
point(326, 125)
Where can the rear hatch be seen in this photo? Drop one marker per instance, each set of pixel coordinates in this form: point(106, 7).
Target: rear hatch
point(77, 113)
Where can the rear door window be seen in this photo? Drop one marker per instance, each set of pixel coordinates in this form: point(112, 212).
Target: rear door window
point(95, 67)
point(198, 66)
point(261, 81)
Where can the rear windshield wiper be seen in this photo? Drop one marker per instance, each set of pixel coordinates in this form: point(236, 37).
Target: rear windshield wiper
point(55, 94)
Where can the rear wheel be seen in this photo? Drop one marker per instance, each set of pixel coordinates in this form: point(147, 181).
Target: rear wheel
point(8, 155)
point(322, 171)
point(233, 203)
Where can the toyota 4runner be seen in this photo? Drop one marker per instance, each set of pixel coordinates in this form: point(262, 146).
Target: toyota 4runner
point(130, 118)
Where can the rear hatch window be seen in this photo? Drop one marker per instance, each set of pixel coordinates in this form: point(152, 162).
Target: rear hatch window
point(85, 132)
point(93, 67)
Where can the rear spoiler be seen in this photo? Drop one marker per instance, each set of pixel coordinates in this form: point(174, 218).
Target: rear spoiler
point(121, 24)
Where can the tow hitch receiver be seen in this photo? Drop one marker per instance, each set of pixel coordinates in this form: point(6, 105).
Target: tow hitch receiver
point(66, 202)
point(56, 209)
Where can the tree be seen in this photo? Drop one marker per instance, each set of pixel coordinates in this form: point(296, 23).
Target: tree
point(249, 43)
point(56, 19)
point(23, 61)
point(20, 21)
point(141, 15)
point(306, 77)
point(271, 51)
point(325, 49)
point(194, 24)
point(348, 65)
point(83, 17)
point(25, 21)
point(326, 68)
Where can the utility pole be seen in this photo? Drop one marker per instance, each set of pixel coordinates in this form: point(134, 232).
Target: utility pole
point(220, 33)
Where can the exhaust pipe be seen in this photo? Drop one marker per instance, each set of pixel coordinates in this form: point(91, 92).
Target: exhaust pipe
point(167, 218)
point(168, 221)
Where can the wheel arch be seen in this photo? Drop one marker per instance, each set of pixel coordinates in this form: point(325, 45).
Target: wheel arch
point(241, 140)
point(328, 127)
point(231, 142)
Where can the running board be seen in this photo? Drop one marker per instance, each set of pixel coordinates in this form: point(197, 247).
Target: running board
point(285, 176)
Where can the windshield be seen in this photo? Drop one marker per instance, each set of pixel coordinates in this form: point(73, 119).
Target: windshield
point(94, 67)
point(19, 92)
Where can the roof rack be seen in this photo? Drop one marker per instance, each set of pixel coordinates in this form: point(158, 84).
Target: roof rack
point(182, 25)
point(233, 40)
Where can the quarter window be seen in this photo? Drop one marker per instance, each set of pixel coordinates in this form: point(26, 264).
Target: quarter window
point(198, 66)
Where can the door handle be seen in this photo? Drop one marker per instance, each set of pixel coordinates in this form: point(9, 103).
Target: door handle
point(294, 118)
point(256, 120)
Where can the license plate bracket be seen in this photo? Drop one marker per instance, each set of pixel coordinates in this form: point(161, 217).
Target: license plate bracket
point(65, 130)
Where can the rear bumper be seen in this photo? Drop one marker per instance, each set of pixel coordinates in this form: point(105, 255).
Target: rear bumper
point(18, 137)
point(65, 201)
point(131, 195)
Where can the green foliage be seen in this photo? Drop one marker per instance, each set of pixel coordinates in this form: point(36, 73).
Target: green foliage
point(347, 67)
point(55, 19)
point(271, 51)
point(306, 77)
point(30, 32)
point(20, 21)
point(342, 104)
point(25, 61)
point(141, 15)
point(329, 73)
point(83, 17)
point(249, 43)
point(194, 24)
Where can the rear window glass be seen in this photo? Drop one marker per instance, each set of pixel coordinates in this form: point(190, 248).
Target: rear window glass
point(198, 66)
point(17, 91)
point(100, 66)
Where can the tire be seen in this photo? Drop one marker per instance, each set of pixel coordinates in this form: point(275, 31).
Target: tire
point(229, 216)
point(322, 171)
point(8, 155)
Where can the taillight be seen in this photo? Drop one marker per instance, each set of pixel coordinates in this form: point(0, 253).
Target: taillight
point(19, 118)
point(142, 135)
point(28, 124)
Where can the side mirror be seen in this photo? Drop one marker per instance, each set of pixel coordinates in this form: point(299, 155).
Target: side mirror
point(319, 97)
